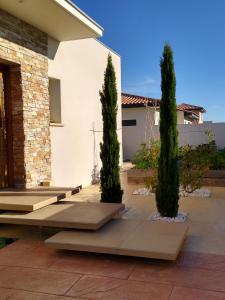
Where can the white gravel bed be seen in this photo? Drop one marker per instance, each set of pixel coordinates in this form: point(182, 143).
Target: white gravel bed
point(204, 193)
point(181, 217)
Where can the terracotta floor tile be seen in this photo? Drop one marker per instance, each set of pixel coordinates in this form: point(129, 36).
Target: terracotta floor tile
point(24, 295)
point(180, 276)
point(194, 294)
point(26, 253)
point(5, 293)
point(21, 245)
point(94, 288)
point(202, 260)
point(37, 280)
point(118, 267)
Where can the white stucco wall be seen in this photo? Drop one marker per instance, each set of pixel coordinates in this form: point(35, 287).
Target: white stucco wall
point(143, 132)
point(80, 66)
point(196, 134)
point(134, 136)
point(201, 118)
point(180, 117)
point(188, 134)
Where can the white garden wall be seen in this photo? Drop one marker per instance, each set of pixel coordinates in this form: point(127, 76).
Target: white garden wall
point(188, 134)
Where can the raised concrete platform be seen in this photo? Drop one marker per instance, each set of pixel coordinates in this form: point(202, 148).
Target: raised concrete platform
point(65, 192)
point(26, 202)
point(33, 199)
point(149, 239)
point(79, 215)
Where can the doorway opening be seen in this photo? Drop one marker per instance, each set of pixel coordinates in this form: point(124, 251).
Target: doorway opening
point(6, 169)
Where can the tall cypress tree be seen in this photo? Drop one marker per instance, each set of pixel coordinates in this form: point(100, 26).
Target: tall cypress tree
point(110, 148)
point(167, 193)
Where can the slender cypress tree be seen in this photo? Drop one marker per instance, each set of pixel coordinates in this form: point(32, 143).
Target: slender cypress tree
point(110, 148)
point(167, 193)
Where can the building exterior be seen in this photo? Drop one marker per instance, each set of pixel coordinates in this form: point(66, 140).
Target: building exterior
point(186, 113)
point(51, 71)
point(140, 120)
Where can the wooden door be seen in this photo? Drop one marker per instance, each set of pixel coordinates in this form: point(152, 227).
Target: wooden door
point(3, 137)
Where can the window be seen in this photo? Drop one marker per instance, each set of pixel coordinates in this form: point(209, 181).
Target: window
point(55, 100)
point(129, 123)
point(157, 117)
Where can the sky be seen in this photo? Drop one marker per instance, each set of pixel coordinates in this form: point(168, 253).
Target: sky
point(195, 29)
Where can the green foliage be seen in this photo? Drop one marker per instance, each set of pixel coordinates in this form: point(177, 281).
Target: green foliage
point(167, 192)
point(216, 157)
point(194, 163)
point(110, 178)
point(147, 157)
point(152, 181)
point(217, 160)
point(210, 136)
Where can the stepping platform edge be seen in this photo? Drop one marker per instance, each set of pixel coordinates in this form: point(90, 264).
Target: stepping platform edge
point(148, 239)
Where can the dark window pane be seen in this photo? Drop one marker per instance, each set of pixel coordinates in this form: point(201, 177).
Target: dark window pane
point(129, 123)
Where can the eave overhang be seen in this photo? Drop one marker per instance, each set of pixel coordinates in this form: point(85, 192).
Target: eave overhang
point(60, 19)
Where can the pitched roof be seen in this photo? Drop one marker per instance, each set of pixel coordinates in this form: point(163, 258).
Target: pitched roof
point(129, 100)
point(189, 107)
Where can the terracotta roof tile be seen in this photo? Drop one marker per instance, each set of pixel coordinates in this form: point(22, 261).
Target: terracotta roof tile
point(185, 106)
point(134, 100)
point(129, 100)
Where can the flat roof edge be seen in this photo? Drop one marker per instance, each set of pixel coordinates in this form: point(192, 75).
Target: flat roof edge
point(84, 14)
point(107, 47)
point(68, 6)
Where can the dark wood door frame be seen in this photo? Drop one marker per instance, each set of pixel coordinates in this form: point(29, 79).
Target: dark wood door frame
point(5, 69)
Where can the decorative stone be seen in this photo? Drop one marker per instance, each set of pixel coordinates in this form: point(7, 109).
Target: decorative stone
point(24, 48)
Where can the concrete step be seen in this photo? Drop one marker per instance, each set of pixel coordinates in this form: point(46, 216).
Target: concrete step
point(76, 215)
point(149, 239)
point(33, 199)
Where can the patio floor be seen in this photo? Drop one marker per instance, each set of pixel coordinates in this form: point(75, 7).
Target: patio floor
point(206, 215)
point(30, 270)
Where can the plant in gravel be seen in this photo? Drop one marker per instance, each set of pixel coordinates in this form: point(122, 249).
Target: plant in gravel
point(110, 149)
point(210, 135)
point(217, 160)
point(167, 191)
point(193, 165)
point(147, 157)
point(152, 181)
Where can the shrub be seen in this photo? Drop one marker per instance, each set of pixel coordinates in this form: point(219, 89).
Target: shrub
point(217, 160)
point(167, 192)
point(110, 149)
point(147, 156)
point(194, 163)
point(152, 181)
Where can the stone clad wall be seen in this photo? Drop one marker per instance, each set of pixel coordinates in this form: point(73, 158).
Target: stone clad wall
point(24, 48)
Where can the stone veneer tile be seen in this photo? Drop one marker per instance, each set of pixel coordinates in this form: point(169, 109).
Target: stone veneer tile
point(26, 47)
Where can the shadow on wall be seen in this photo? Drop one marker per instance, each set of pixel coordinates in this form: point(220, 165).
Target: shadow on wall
point(53, 46)
point(14, 125)
point(95, 172)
